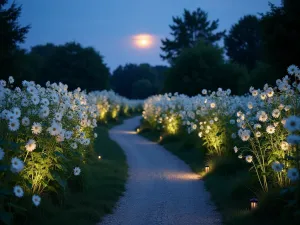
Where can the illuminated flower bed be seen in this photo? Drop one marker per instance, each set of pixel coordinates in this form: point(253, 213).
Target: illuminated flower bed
point(261, 127)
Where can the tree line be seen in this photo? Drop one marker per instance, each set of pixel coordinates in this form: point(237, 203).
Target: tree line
point(257, 50)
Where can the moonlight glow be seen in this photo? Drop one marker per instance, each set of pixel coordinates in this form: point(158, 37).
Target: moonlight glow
point(143, 40)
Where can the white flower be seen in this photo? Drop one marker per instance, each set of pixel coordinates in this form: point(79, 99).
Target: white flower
point(25, 121)
point(270, 129)
point(68, 134)
point(284, 145)
point(250, 105)
point(74, 145)
point(54, 129)
point(200, 134)
point(212, 105)
point(293, 139)
point(11, 80)
point(36, 200)
point(36, 128)
point(249, 159)
point(277, 167)
point(245, 135)
point(254, 93)
point(45, 102)
point(262, 116)
point(204, 91)
point(240, 156)
point(2, 153)
point(13, 125)
point(263, 96)
point(293, 174)
point(44, 112)
point(24, 102)
point(17, 112)
point(35, 99)
point(257, 126)
point(77, 171)
point(31, 145)
point(58, 116)
point(18, 191)
point(292, 69)
point(287, 108)
point(276, 113)
point(16, 165)
point(235, 149)
point(258, 134)
point(292, 123)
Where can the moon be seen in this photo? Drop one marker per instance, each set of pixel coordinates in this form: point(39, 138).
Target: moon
point(143, 41)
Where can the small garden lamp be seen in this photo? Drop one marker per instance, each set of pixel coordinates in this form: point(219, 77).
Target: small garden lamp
point(160, 138)
point(99, 156)
point(253, 203)
point(206, 168)
point(138, 130)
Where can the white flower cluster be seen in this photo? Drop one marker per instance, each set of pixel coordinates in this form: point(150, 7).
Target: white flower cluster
point(110, 104)
point(48, 124)
point(259, 119)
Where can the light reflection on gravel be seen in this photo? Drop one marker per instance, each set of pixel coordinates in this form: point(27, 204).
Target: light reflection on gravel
point(161, 189)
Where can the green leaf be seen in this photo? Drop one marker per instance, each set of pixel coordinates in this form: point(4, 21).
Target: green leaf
point(6, 217)
point(4, 167)
point(59, 180)
point(5, 192)
point(60, 155)
point(19, 208)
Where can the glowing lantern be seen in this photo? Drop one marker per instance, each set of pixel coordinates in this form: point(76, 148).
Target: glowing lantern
point(138, 130)
point(207, 168)
point(99, 157)
point(160, 138)
point(253, 203)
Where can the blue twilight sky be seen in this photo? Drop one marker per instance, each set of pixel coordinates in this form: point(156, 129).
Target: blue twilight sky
point(107, 25)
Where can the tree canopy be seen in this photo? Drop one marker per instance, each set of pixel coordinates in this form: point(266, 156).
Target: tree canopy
point(11, 35)
point(202, 67)
point(125, 79)
point(281, 34)
point(187, 30)
point(243, 44)
point(71, 64)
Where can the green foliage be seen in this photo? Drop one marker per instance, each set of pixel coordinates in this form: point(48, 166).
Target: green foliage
point(262, 73)
point(243, 44)
point(187, 31)
point(141, 89)
point(281, 34)
point(11, 35)
point(91, 195)
point(202, 67)
point(71, 64)
point(124, 78)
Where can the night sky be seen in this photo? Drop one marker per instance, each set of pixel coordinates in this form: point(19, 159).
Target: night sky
point(107, 25)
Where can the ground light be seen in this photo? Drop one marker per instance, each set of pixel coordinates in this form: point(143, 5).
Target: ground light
point(253, 203)
point(99, 157)
point(160, 138)
point(138, 130)
point(207, 168)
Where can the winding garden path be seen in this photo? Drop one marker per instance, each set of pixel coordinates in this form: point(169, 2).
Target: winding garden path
point(161, 189)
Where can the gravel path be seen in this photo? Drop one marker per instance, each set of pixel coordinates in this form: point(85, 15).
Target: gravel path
point(161, 189)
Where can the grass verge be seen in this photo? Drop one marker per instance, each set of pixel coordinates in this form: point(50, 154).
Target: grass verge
point(102, 183)
point(228, 181)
